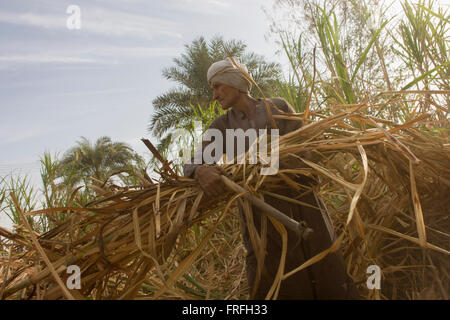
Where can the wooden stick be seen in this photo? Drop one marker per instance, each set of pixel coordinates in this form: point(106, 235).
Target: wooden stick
point(155, 152)
point(300, 228)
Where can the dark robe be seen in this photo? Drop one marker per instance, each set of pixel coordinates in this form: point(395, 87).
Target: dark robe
point(326, 279)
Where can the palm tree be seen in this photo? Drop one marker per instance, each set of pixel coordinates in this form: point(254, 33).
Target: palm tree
point(175, 107)
point(97, 160)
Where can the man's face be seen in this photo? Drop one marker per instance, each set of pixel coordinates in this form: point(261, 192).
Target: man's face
point(226, 95)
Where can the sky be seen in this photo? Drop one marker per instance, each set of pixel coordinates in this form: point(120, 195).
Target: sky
point(59, 83)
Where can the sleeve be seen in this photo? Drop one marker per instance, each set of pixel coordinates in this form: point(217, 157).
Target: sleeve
point(189, 168)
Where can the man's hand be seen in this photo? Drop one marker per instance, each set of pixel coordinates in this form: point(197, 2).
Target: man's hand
point(209, 179)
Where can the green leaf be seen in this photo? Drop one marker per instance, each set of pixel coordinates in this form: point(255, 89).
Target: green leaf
point(437, 15)
point(416, 80)
point(366, 51)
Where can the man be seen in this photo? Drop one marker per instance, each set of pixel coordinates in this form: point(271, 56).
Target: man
point(326, 279)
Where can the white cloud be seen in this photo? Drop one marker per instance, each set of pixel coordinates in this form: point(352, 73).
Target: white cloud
point(14, 134)
point(93, 55)
point(86, 111)
point(226, 8)
point(132, 52)
point(207, 7)
point(99, 21)
point(117, 23)
point(31, 19)
point(44, 58)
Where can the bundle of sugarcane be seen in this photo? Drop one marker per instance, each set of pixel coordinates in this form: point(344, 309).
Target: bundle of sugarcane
point(386, 189)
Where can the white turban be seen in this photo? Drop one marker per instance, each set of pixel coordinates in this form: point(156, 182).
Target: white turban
point(225, 72)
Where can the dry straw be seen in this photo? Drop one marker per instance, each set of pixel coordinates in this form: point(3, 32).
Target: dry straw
point(386, 189)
